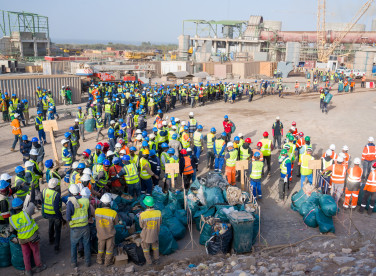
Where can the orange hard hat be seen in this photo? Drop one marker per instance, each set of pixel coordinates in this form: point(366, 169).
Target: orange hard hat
point(265, 134)
point(248, 140)
point(259, 144)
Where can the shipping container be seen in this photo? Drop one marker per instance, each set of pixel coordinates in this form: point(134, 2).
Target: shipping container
point(25, 86)
point(222, 70)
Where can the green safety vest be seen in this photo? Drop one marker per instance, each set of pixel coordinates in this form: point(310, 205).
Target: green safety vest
point(40, 124)
point(21, 193)
point(160, 138)
point(48, 199)
point(256, 169)
point(66, 160)
point(131, 176)
point(107, 108)
point(244, 153)
point(266, 148)
point(219, 144)
point(25, 226)
point(102, 182)
point(80, 116)
point(283, 166)
point(230, 162)
point(209, 141)
point(99, 122)
point(80, 218)
point(144, 174)
point(197, 138)
point(35, 179)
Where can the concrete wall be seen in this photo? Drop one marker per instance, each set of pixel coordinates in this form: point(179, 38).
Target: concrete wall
point(174, 66)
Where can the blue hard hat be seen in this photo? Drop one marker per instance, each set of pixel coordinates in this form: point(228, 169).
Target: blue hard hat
point(132, 149)
point(160, 111)
point(155, 129)
point(130, 109)
point(213, 129)
point(90, 98)
point(19, 169)
point(174, 136)
point(164, 145)
point(147, 139)
point(17, 202)
point(111, 131)
point(24, 137)
point(257, 154)
point(98, 147)
point(171, 151)
point(81, 166)
point(186, 128)
point(144, 133)
point(79, 108)
point(71, 128)
point(88, 151)
point(39, 112)
point(126, 158)
point(101, 158)
point(172, 119)
point(49, 163)
point(121, 131)
point(67, 134)
point(98, 114)
point(173, 123)
point(224, 134)
point(3, 184)
point(121, 121)
point(106, 162)
point(199, 127)
point(226, 116)
point(236, 138)
point(34, 139)
point(152, 152)
point(123, 125)
point(116, 161)
point(145, 144)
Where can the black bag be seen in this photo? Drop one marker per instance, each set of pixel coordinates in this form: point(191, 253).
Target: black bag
point(219, 243)
point(135, 253)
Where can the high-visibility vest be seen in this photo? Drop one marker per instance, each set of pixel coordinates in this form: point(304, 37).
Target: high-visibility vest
point(102, 182)
point(197, 138)
point(107, 108)
point(283, 166)
point(166, 158)
point(66, 159)
point(81, 117)
point(266, 148)
point(48, 201)
point(53, 174)
point(371, 183)
point(152, 143)
point(20, 193)
point(192, 124)
point(369, 153)
point(131, 176)
point(244, 153)
point(355, 174)
point(304, 170)
point(231, 161)
point(99, 122)
point(170, 133)
point(35, 178)
point(219, 145)
point(25, 226)
point(171, 160)
point(161, 139)
point(241, 142)
point(185, 140)
point(38, 122)
point(338, 174)
point(209, 141)
point(72, 178)
point(80, 217)
point(188, 169)
point(73, 139)
point(256, 169)
point(151, 217)
point(144, 174)
point(134, 160)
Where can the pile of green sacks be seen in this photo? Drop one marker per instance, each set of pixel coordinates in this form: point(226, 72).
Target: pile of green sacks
point(174, 217)
point(360, 198)
point(317, 209)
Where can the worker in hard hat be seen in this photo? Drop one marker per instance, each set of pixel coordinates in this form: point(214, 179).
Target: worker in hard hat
point(146, 173)
point(210, 141)
point(106, 219)
point(6, 194)
point(285, 167)
point(338, 178)
point(368, 157)
point(192, 124)
point(230, 158)
point(171, 159)
point(354, 179)
point(277, 132)
point(266, 150)
point(186, 168)
point(346, 156)
point(198, 140)
point(326, 161)
point(219, 152)
point(51, 210)
point(228, 127)
point(369, 192)
point(305, 171)
point(150, 222)
point(256, 169)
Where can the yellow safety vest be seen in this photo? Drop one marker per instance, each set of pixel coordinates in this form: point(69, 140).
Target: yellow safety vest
point(107, 108)
point(304, 170)
point(256, 169)
point(185, 141)
point(144, 174)
point(81, 117)
point(131, 176)
point(283, 166)
point(20, 193)
point(25, 226)
point(219, 144)
point(80, 217)
point(102, 182)
point(244, 153)
point(197, 138)
point(209, 141)
point(48, 199)
point(66, 160)
point(266, 148)
point(230, 162)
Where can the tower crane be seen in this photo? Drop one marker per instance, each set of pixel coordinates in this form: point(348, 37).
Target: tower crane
point(323, 53)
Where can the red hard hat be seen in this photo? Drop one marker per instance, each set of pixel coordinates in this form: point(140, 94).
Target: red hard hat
point(106, 145)
point(120, 141)
point(374, 165)
point(183, 151)
point(265, 134)
point(259, 144)
point(85, 154)
point(301, 134)
point(248, 140)
point(294, 123)
point(101, 144)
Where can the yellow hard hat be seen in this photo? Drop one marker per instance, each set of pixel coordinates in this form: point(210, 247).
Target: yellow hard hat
point(145, 151)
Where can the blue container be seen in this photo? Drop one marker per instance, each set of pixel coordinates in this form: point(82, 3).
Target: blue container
point(89, 125)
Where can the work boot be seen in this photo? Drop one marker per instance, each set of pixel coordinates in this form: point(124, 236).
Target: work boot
point(40, 268)
point(109, 260)
point(361, 209)
point(147, 258)
point(28, 273)
point(12, 149)
point(156, 256)
point(370, 210)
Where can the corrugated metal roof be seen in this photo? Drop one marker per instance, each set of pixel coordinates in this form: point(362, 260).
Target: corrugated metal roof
point(255, 20)
point(179, 75)
point(202, 75)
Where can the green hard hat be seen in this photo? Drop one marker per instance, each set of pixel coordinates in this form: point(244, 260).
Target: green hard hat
point(283, 151)
point(291, 137)
point(149, 201)
point(307, 138)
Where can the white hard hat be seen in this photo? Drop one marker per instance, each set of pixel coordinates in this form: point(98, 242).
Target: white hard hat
point(63, 87)
point(53, 183)
point(345, 147)
point(85, 192)
point(277, 118)
point(332, 147)
point(189, 149)
point(118, 145)
point(16, 115)
point(75, 165)
point(76, 120)
point(340, 159)
point(183, 123)
point(80, 186)
point(164, 123)
point(123, 151)
point(28, 164)
point(328, 152)
point(73, 189)
point(293, 128)
point(177, 120)
point(64, 141)
point(87, 171)
point(371, 139)
point(108, 101)
point(6, 176)
point(112, 122)
point(33, 152)
point(152, 136)
point(85, 177)
point(240, 134)
point(191, 114)
point(138, 131)
point(173, 127)
point(230, 144)
point(139, 137)
point(109, 153)
point(106, 198)
point(342, 155)
point(357, 161)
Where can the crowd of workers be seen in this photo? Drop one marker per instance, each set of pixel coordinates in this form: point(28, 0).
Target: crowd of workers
point(133, 159)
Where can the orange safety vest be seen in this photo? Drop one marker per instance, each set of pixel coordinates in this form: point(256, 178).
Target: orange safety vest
point(338, 174)
point(371, 182)
point(188, 169)
point(300, 142)
point(296, 85)
point(346, 160)
point(369, 153)
point(261, 155)
point(355, 174)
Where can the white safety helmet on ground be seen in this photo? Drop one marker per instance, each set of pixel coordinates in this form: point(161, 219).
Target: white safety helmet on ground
point(230, 144)
point(106, 198)
point(328, 152)
point(73, 189)
point(371, 139)
point(85, 192)
point(53, 183)
point(85, 177)
point(118, 145)
point(6, 176)
point(109, 153)
point(340, 159)
point(87, 171)
point(138, 131)
point(357, 161)
point(346, 148)
point(33, 152)
point(75, 165)
point(332, 147)
point(64, 141)
point(28, 164)
point(139, 137)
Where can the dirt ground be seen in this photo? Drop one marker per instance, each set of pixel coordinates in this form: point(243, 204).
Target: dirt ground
point(349, 122)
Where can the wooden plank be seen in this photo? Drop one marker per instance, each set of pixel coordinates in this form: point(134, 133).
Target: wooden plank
point(314, 165)
point(242, 166)
point(51, 126)
point(172, 168)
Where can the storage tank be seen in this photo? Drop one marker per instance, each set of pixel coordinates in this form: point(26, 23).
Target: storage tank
point(273, 25)
point(333, 26)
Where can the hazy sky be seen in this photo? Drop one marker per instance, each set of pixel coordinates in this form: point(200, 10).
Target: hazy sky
point(161, 20)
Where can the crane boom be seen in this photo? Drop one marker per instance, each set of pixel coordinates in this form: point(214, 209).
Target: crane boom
point(321, 33)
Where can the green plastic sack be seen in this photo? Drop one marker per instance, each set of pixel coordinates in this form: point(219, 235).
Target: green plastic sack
point(195, 185)
point(176, 227)
point(182, 216)
point(206, 233)
point(220, 214)
point(360, 198)
point(5, 253)
point(137, 224)
point(177, 198)
point(255, 228)
point(121, 233)
point(167, 243)
point(160, 197)
point(325, 223)
point(314, 198)
point(328, 205)
point(16, 256)
point(213, 196)
point(206, 212)
point(310, 218)
point(306, 208)
point(298, 198)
